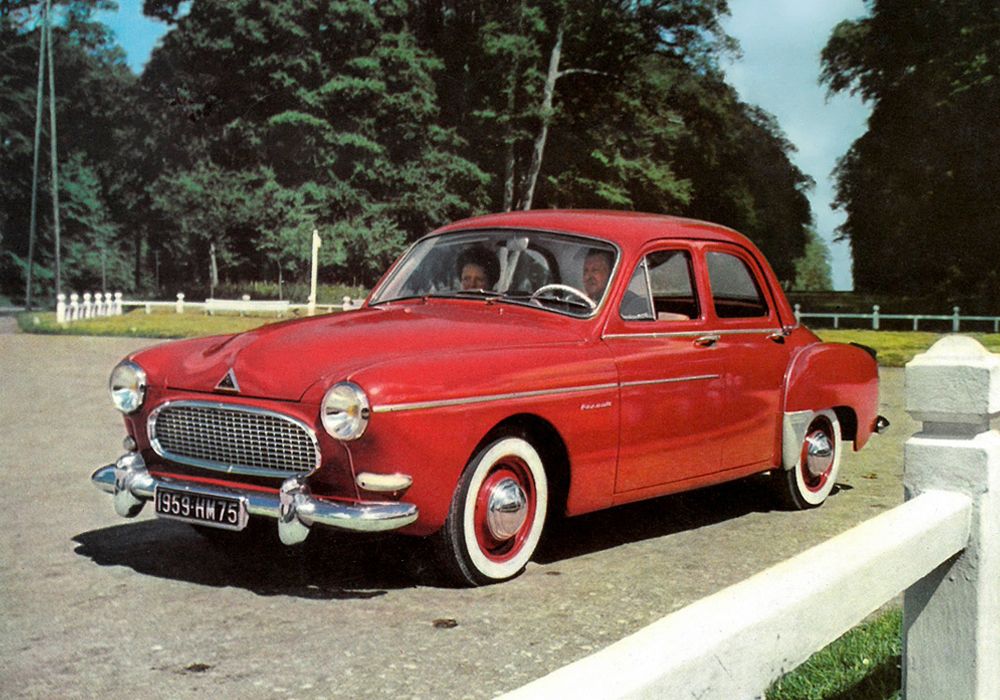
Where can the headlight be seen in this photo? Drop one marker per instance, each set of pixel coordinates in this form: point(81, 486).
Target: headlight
point(128, 386)
point(345, 411)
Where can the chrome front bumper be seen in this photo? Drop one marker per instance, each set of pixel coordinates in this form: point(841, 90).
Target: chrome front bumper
point(294, 507)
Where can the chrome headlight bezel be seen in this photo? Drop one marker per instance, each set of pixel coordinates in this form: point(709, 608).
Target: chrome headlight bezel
point(345, 411)
point(127, 385)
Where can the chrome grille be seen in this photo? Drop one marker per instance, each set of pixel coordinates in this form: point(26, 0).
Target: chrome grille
point(236, 439)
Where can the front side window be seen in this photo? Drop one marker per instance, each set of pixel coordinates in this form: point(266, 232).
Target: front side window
point(557, 272)
point(735, 292)
point(661, 289)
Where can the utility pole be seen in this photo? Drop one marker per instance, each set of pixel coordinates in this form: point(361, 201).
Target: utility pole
point(39, 99)
point(52, 142)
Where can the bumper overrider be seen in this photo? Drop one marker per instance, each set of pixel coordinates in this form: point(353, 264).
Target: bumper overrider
point(294, 507)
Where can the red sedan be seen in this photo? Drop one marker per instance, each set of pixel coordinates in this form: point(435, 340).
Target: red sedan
point(506, 368)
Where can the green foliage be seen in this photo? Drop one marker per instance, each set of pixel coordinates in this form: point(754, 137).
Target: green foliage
point(812, 270)
point(923, 183)
point(864, 664)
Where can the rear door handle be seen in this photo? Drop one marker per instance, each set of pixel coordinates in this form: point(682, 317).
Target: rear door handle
point(706, 341)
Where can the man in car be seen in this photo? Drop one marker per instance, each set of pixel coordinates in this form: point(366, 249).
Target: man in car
point(596, 272)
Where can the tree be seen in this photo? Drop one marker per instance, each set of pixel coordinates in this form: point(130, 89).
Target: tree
point(922, 185)
point(93, 90)
point(330, 105)
point(812, 270)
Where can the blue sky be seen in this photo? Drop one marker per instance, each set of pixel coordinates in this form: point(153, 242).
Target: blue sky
point(779, 70)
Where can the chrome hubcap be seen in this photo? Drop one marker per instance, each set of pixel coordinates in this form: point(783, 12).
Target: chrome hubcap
point(819, 453)
point(507, 509)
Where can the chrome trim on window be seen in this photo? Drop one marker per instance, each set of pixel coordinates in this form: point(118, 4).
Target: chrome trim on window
point(693, 334)
point(465, 401)
point(232, 466)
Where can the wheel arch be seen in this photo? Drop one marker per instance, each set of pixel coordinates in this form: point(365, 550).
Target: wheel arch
point(551, 446)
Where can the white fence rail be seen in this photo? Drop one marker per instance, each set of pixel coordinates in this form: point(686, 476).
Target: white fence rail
point(877, 317)
point(80, 307)
point(942, 546)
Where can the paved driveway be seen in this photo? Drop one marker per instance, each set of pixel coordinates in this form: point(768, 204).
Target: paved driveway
point(92, 605)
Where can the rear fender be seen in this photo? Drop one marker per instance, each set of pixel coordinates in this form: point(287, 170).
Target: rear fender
point(835, 376)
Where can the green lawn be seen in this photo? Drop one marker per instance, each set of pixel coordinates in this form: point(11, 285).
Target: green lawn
point(139, 324)
point(896, 348)
point(864, 664)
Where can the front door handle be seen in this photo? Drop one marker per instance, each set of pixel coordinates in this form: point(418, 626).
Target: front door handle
point(706, 341)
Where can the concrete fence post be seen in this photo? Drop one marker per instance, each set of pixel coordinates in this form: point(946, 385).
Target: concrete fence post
point(60, 308)
point(118, 304)
point(87, 306)
point(99, 304)
point(798, 312)
point(955, 319)
point(74, 307)
point(180, 302)
point(951, 618)
point(875, 319)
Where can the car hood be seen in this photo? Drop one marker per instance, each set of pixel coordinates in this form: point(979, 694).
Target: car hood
point(283, 360)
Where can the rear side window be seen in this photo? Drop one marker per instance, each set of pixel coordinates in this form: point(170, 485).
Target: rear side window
point(735, 292)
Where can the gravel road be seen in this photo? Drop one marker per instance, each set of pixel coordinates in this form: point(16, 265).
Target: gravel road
point(92, 605)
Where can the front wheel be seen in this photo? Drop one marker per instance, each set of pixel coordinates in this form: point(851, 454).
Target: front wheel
point(812, 478)
point(496, 514)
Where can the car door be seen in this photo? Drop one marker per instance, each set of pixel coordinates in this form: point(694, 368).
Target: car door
point(670, 372)
point(755, 355)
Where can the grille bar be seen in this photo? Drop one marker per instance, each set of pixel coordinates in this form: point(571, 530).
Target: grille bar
point(232, 438)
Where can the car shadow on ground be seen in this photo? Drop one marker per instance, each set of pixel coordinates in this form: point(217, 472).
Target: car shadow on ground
point(331, 565)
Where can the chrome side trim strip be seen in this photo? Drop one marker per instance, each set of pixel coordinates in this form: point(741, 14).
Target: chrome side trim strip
point(692, 334)
point(672, 380)
point(465, 401)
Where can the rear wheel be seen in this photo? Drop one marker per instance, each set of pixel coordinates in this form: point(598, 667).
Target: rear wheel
point(496, 514)
point(812, 478)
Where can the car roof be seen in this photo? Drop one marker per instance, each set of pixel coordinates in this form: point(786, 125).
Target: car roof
point(626, 228)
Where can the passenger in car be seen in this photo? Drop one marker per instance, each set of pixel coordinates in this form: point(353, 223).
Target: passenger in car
point(478, 269)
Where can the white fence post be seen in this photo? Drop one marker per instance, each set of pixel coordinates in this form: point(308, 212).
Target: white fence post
point(118, 304)
point(875, 319)
point(74, 307)
point(952, 616)
point(60, 308)
point(955, 320)
point(180, 302)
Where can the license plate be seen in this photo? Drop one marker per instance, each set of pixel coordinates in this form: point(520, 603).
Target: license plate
point(228, 513)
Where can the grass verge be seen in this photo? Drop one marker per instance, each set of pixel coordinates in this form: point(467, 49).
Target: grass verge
point(896, 348)
point(864, 664)
point(138, 324)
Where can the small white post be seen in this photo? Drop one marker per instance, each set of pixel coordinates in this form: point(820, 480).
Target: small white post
point(118, 303)
point(346, 305)
point(60, 308)
point(951, 622)
point(316, 243)
point(98, 304)
point(74, 307)
point(798, 313)
point(179, 306)
point(955, 319)
point(875, 319)
point(88, 306)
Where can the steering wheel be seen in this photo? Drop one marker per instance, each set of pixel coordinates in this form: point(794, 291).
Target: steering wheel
point(566, 289)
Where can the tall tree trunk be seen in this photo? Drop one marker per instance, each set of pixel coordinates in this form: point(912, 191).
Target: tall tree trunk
point(546, 113)
point(33, 226)
point(52, 148)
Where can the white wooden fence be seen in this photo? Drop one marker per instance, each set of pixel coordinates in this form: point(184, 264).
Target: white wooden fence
point(80, 307)
point(942, 547)
point(876, 317)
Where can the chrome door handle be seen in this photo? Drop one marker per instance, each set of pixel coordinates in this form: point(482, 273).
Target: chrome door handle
point(706, 341)
point(777, 336)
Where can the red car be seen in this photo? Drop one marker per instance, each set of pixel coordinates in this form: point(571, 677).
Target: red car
point(507, 367)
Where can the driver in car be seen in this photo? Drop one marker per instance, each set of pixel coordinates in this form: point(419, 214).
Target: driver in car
point(596, 272)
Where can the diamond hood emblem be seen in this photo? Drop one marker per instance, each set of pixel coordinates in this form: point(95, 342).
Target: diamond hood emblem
point(228, 383)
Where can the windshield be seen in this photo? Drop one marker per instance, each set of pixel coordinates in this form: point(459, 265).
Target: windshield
point(558, 272)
